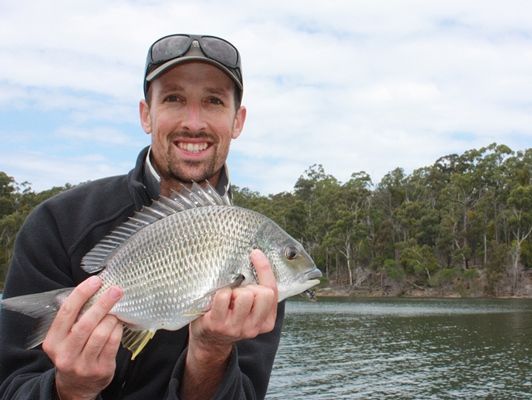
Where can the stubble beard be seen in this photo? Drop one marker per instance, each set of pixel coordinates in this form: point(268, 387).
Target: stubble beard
point(186, 171)
point(180, 170)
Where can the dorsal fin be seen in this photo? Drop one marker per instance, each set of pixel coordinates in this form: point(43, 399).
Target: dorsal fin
point(185, 199)
point(198, 196)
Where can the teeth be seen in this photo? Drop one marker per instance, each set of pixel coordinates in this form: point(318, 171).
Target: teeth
point(193, 147)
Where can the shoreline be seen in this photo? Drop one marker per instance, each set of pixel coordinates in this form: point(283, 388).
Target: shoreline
point(414, 293)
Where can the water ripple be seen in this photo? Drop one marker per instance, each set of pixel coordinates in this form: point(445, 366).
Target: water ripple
point(433, 349)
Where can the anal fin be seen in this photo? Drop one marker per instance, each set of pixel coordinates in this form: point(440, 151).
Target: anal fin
point(135, 341)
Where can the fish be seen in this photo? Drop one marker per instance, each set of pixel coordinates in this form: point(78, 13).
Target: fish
point(171, 257)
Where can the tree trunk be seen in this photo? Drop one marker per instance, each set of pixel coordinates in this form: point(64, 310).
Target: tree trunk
point(485, 250)
point(348, 258)
point(516, 254)
point(327, 264)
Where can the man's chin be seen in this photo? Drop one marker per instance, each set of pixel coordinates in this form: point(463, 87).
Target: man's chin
point(187, 177)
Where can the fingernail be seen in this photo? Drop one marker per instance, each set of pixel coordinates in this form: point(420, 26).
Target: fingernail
point(259, 255)
point(115, 293)
point(94, 281)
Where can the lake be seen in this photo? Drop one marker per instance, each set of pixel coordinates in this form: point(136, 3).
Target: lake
point(405, 349)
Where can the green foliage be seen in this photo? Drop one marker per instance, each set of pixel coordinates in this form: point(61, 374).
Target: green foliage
point(526, 254)
point(462, 222)
point(394, 271)
point(496, 266)
point(417, 260)
point(444, 278)
point(16, 202)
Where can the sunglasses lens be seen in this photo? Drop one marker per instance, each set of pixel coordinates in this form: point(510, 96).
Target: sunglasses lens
point(174, 47)
point(169, 47)
point(220, 50)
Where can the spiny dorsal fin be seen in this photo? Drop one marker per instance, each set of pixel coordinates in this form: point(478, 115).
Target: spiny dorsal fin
point(185, 199)
point(198, 196)
point(135, 341)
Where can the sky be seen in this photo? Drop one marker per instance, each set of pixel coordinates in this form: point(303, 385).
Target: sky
point(353, 85)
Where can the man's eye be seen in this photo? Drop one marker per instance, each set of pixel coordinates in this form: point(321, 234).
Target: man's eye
point(215, 100)
point(171, 98)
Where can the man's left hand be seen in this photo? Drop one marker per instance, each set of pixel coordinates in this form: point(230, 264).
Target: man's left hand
point(235, 314)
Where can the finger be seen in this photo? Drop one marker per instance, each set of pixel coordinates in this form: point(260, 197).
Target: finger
point(99, 337)
point(243, 302)
point(221, 303)
point(265, 275)
point(108, 354)
point(92, 317)
point(69, 310)
point(264, 312)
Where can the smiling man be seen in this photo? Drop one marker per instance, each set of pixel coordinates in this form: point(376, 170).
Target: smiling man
point(193, 89)
point(190, 113)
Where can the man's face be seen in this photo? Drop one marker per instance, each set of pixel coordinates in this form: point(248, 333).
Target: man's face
point(192, 119)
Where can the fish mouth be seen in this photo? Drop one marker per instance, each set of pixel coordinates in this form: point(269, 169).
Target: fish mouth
point(299, 284)
point(313, 274)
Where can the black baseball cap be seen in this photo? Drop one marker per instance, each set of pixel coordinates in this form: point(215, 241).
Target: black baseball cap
point(171, 50)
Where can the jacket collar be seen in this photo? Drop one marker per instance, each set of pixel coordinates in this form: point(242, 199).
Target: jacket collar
point(144, 180)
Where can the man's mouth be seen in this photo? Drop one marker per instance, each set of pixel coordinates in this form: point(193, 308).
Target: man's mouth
point(193, 147)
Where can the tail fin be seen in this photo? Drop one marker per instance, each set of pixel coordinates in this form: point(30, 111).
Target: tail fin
point(42, 306)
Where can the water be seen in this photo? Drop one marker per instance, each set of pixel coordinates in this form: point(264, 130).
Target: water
point(405, 349)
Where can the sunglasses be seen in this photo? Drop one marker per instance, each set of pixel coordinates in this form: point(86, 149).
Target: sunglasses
point(175, 46)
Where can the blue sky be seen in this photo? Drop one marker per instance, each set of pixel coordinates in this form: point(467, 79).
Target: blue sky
point(353, 85)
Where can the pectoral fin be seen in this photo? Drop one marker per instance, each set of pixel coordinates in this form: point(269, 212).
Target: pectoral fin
point(197, 309)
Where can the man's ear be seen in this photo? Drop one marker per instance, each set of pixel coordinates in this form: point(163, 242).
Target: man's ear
point(145, 119)
point(238, 123)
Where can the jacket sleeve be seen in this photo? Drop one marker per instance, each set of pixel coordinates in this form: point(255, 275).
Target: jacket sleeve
point(249, 369)
point(39, 263)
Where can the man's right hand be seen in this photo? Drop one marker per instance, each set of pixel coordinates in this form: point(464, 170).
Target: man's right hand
point(83, 347)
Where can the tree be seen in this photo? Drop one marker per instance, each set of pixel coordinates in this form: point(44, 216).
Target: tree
point(16, 202)
point(447, 225)
point(8, 194)
point(348, 234)
point(520, 203)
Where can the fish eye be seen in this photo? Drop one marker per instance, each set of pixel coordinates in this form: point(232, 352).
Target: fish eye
point(290, 252)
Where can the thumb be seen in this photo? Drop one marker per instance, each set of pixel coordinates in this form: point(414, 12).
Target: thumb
point(265, 275)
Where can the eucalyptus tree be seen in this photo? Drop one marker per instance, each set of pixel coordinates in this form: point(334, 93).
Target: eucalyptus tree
point(348, 233)
point(520, 208)
point(388, 197)
point(316, 193)
point(16, 202)
point(466, 188)
point(8, 224)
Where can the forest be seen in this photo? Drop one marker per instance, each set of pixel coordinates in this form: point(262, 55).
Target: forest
point(461, 226)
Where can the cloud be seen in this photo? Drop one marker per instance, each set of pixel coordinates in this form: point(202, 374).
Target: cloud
point(353, 85)
point(46, 171)
point(103, 135)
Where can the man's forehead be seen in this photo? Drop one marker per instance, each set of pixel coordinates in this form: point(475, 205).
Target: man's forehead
point(195, 77)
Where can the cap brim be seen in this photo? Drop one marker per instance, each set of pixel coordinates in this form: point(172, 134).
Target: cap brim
point(172, 63)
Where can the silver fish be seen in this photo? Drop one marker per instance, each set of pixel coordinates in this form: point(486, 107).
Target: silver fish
point(171, 257)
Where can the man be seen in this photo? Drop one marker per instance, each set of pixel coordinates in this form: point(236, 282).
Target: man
point(193, 88)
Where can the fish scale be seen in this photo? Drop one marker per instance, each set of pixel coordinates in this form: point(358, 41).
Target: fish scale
point(171, 257)
point(206, 236)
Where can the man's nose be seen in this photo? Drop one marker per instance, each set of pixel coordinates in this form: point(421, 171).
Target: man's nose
point(193, 118)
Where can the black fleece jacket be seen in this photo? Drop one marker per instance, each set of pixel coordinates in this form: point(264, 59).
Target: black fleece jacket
point(47, 256)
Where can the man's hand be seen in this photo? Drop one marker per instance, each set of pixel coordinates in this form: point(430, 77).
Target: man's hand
point(83, 347)
point(236, 314)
